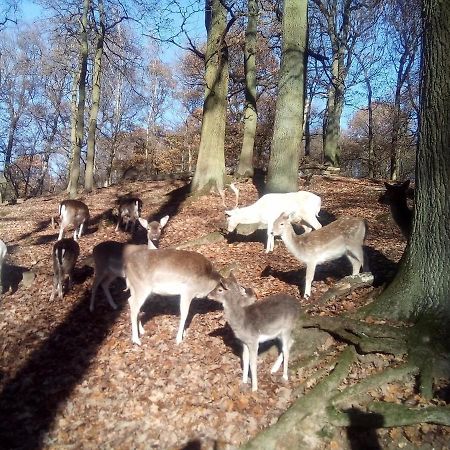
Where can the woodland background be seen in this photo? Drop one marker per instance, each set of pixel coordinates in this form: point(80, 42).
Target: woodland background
point(149, 83)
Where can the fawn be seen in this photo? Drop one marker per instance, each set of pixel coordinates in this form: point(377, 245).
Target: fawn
point(254, 322)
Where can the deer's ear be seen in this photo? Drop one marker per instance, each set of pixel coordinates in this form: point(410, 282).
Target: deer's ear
point(163, 221)
point(405, 185)
point(387, 185)
point(143, 222)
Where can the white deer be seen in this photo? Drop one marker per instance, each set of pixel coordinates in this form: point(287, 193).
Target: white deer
point(303, 207)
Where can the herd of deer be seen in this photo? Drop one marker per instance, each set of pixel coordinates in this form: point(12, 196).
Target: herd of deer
point(188, 274)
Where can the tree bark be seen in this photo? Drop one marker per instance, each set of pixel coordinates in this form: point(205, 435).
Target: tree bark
point(96, 92)
point(210, 169)
point(332, 126)
point(288, 126)
point(421, 289)
point(245, 167)
point(79, 122)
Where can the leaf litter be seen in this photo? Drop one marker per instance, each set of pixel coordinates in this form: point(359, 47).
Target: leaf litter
point(74, 379)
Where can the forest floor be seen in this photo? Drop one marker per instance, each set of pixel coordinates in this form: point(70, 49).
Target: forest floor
point(73, 379)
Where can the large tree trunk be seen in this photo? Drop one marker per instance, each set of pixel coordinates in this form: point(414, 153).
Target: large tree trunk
point(76, 149)
point(210, 170)
point(422, 285)
point(245, 167)
point(96, 79)
point(288, 126)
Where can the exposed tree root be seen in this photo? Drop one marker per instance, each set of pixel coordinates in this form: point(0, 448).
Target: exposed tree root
point(374, 381)
point(369, 338)
point(298, 425)
point(345, 286)
point(385, 415)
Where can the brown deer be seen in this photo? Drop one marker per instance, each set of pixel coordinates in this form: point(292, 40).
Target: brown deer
point(396, 197)
point(344, 236)
point(154, 229)
point(75, 213)
point(254, 322)
point(167, 272)
point(65, 254)
point(129, 212)
point(109, 258)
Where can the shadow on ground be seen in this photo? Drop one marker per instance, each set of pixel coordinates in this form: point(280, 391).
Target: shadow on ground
point(30, 400)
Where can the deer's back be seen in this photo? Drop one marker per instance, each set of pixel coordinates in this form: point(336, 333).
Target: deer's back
point(266, 318)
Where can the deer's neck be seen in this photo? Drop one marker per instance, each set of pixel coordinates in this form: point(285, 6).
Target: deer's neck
point(235, 316)
point(293, 242)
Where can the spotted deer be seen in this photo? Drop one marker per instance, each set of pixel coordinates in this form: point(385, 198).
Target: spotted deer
point(344, 236)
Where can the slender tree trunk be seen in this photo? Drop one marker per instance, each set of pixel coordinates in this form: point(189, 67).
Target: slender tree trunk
point(335, 103)
point(421, 288)
point(9, 145)
point(306, 127)
point(370, 143)
point(245, 167)
point(288, 126)
point(96, 92)
point(394, 170)
point(76, 150)
point(210, 170)
point(73, 121)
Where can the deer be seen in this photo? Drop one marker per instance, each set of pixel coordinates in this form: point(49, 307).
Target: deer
point(154, 229)
point(129, 212)
point(169, 272)
point(303, 206)
point(395, 196)
point(3, 252)
point(109, 257)
point(254, 322)
point(75, 213)
point(64, 254)
point(344, 236)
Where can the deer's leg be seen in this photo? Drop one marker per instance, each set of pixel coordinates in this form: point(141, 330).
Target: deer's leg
point(61, 231)
point(278, 362)
point(356, 258)
point(185, 303)
point(97, 280)
point(60, 285)
point(135, 306)
point(245, 363)
point(253, 351)
point(55, 287)
point(310, 270)
point(105, 286)
point(286, 343)
point(270, 237)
